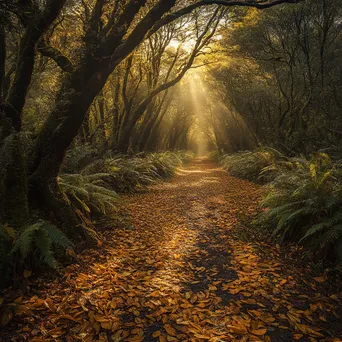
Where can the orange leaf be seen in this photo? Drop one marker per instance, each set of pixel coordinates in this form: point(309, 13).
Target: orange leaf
point(171, 331)
point(238, 329)
point(320, 279)
point(259, 332)
point(297, 336)
point(156, 333)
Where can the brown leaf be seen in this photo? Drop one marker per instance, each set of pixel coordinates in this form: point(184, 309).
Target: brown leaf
point(259, 332)
point(170, 330)
point(50, 304)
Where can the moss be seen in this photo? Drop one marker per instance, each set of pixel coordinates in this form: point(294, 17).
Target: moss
point(14, 180)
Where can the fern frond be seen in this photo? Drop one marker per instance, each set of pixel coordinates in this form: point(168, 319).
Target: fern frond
point(44, 247)
point(57, 237)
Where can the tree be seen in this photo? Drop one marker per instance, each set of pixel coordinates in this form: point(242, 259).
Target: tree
point(111, 32)
point(284, 78)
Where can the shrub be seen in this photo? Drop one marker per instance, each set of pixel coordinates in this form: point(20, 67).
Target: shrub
point(165, 163)
point(215, 156)
point(30, 246)
point(185, 156)
point(129, 173)
point(89, 193)
point(78, 158)
point(249, 164)
point(303, 205)
point(94, 189)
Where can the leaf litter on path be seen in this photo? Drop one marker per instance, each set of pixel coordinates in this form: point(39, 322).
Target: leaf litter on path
point(179, 273)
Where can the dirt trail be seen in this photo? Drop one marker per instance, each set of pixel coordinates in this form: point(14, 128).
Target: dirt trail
point(182, 272)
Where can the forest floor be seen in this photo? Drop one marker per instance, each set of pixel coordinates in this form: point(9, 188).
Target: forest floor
point(185, 269)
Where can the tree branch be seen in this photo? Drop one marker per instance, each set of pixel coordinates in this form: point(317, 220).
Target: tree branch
point(188, 9)
point(49, 51)
point(22, 78)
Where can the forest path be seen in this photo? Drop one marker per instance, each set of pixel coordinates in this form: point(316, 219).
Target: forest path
point(183, 271)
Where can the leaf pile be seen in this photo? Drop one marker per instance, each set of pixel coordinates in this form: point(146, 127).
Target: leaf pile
point(180, 273)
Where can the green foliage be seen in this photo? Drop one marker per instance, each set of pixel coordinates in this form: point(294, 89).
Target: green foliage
point(249, 164)
point(165, 163)
point(40, 238)
point(89, 193)
point(303, 201)
point(215, 156)
point(32, 244)
point(303, 205)
point(118, 173)
point(284, 93)
point(78, 158)
point(130, 174)
point(185, 156)
point(91, 189)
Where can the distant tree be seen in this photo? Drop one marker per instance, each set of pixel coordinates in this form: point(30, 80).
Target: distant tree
point(285, 76)
point(107, 34)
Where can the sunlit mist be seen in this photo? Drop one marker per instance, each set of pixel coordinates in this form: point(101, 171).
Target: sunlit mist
point(209, 109)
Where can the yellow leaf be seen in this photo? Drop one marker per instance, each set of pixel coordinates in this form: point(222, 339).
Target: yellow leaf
point(67, 317)
point(10, 231)
point(254, 338)
point(27, 273)
point(101, 318)
point(236, 290)
point(202, 336)
point(50, 304)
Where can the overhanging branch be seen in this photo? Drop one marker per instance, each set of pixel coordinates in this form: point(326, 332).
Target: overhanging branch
point(228, 3)
point(62, 61)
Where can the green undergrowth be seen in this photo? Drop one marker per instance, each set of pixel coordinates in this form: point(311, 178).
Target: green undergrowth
point(302, 202)
point(91, 184)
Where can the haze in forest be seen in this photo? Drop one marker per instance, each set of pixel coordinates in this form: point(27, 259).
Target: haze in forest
point(170, 170)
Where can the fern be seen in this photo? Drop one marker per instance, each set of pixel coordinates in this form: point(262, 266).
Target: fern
point(41, 236)
point(89, 193)
point(78, 157)
point(250, 164)
point(19, 249)
point(44, 248)
point(304, 202)
point(117, 172)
